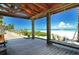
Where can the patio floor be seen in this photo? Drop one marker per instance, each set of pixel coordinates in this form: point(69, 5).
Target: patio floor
point(22, 46)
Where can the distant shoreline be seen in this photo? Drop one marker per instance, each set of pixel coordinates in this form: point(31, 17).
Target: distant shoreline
point(44, 30)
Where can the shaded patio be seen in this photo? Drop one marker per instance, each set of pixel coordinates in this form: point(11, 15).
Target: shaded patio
point(34, 46)
point(21, 46)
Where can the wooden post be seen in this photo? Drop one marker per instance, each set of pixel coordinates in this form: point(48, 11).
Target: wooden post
point(48, 28)
point(33, 30)
point(78, 24)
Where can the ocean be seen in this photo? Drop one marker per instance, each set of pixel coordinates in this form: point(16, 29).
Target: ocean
point(70, 30)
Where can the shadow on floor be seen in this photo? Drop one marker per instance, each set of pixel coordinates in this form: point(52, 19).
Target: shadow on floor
point(22, 46)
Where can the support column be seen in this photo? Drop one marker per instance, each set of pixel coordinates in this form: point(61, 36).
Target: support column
point(33, 30)
point(78, 24)
point(48, 28)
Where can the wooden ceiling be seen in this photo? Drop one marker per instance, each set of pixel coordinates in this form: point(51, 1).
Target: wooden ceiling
point(33, 10)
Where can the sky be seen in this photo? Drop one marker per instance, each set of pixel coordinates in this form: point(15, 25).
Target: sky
point(63, 20)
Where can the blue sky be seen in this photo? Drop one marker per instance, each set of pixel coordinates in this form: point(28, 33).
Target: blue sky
point(19, 23)
point(66, 19)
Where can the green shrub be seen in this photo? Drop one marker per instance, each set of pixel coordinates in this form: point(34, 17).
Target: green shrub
point(23, 32)
point(1, 21)
point(38, 33)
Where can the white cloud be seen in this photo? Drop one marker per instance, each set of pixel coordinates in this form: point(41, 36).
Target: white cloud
point(69, 25)
point(63, 25)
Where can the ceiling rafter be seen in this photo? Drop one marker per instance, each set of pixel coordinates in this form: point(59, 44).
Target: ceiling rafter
point(14, 15)
point(52, 5)
point(42, 6)
point(7, 9)
point(1, 7)
point(7, 5)
point(19, 9)
point(12, 8)
point(34, 10)
point(55, 10)
point(34, 7)
point(26, 8)
point(23, 10)
point(42, 13)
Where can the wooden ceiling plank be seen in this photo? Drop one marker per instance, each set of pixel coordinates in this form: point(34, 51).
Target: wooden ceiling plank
point(4, 8)
point(41, 6)
point(54, 10)
point(27, 8)
point(21, 9)
point(42, 13)
point(13, 15)
point(6, 5)
point(34, 7)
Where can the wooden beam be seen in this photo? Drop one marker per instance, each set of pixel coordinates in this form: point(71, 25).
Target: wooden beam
point(4, 8)
point(55, 10)
point(34, 7)
point(13, 15)
point(14, 10)
point(43, 14)
point(78, 23)
point(8, 9)
point(7, 5)
point(33, 30)
point(41, 6)
point(20, 9)
point(48, 28)
point(26, 8)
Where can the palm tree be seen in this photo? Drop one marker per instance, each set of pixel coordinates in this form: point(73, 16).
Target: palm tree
point(9, 27)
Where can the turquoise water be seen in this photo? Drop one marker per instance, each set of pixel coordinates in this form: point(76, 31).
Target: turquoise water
point(72, 30)
point(68, 30)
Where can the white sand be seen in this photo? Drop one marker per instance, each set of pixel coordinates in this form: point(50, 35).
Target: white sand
point(67, 34)
point(11, 35)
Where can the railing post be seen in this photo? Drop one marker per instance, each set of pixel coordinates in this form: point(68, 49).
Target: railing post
point(33, 29)
point(48, 28)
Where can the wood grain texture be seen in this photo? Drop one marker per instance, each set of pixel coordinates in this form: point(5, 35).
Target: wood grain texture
point(23, 46)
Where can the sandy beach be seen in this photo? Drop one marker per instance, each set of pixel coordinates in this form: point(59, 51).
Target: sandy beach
point(12, 35)
point(67, 34)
